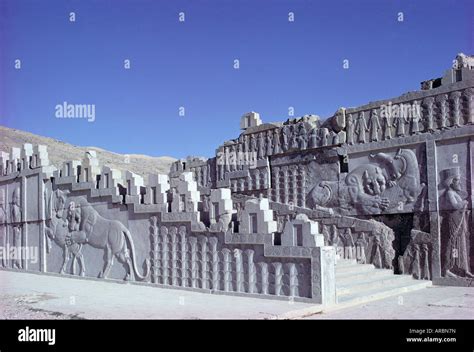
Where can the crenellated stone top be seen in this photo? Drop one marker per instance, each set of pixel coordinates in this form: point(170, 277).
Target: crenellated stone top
point(27, 157)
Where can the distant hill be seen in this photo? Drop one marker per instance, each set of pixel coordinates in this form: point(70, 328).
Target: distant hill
point(59, 152)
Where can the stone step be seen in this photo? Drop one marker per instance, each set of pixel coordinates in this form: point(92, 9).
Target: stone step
point(347, 278)
point(381, 292)
point(372, 282)
point(353, 269)
point(345, 262)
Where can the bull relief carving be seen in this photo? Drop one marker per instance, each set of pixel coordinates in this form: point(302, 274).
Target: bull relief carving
point(57, 230)
point(75, 223)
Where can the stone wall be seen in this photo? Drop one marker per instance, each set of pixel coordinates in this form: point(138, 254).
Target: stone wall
point(92, 221)
point(405, 162)
point(388, 183)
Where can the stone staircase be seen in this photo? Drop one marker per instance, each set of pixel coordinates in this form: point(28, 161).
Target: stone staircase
point(361, 283)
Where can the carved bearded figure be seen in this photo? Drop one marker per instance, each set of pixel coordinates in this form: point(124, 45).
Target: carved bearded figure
point(457, 253)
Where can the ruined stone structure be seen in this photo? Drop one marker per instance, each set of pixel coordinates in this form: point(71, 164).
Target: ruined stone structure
point(376, 198)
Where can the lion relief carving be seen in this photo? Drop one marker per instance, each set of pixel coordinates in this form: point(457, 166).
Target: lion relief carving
point(388, 183)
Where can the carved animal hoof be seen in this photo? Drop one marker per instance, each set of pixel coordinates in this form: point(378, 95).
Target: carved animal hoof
point(101, 275)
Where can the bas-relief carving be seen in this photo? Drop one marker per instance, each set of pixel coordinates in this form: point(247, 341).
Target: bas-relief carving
point(374, 126)
point(59, 222)
point(212, 264)
point(16, 224)
point(74, 223)
point(3, 224)
point(382, 183)
point(417, 259)
point(456, 217)
point(293, 136)
point(374, 246)
point(421, 115)
point(387, 183)
point(361, 128)
point(402, 171)
point(468, 96)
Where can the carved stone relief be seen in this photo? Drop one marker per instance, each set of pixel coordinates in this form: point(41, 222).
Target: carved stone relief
point(387, 183)
point(455, 224)
point(75, 223)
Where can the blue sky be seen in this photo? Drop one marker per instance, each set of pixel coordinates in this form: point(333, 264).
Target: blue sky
point(190, 64)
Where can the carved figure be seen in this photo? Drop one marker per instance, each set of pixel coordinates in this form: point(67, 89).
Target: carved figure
point(399, 125)
point(350, 129)
point(367, 203)
point(253, 144)
point(261, 146)
point(269, 143)
point(302, 138)
point(348, 242)
point(286, 137)
point(324, 136)
point(110, 235)
point(361, 128)
point(313, 138)
point(403, 171)
point(276, 142)
point(387, 127)
point(57, 229)
point(457, 254)
point(415, 120)
point(361, 245)
point(373, 187)
point(294, 137)
point(374, 126)
point(3, 220)
point(16, 224)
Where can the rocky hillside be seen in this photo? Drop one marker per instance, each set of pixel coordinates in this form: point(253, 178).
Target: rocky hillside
point(59, 152)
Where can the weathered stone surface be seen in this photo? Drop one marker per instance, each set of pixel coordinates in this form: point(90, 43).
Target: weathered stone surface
point(387, 185)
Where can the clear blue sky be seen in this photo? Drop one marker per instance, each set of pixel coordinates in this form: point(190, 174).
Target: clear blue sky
point(190, 64)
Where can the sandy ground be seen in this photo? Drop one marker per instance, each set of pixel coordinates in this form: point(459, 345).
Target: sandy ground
point(33, 296)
